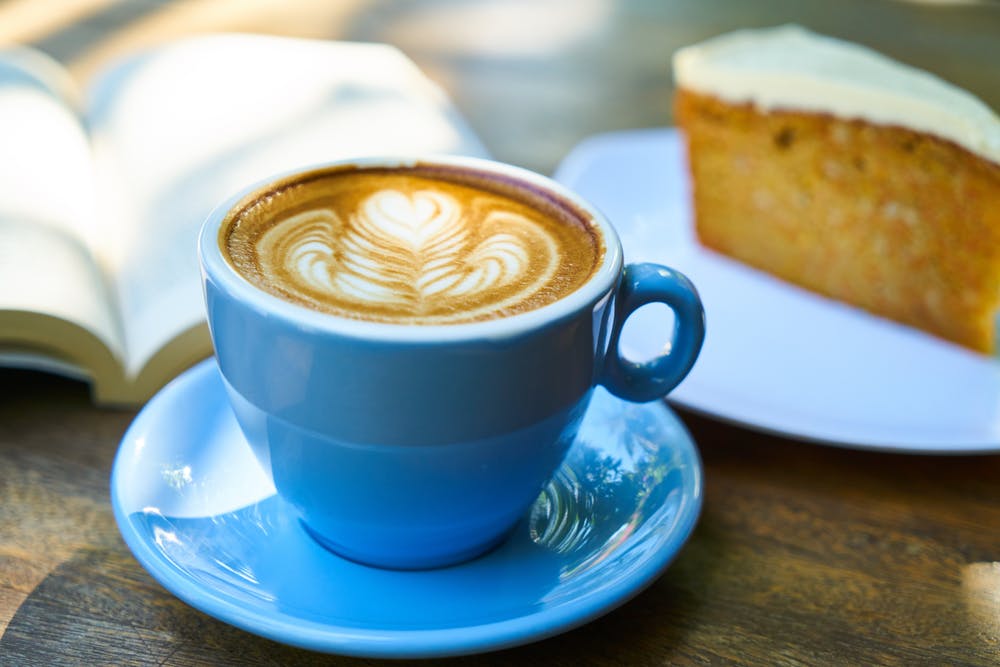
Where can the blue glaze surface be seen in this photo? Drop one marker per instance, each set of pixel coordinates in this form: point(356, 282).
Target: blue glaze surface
point(200, 514)
point(408, 506)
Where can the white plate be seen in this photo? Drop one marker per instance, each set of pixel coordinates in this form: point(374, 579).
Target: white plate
point(776, 357)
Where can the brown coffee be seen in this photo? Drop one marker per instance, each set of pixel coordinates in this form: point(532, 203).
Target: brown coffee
point(423, 244)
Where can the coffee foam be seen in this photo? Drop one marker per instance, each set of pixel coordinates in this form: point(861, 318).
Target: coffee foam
point(415, 245)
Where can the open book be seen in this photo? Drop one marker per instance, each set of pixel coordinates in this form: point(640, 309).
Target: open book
point(102, 194)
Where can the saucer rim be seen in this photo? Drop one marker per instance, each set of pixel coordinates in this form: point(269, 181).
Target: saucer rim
point(372, 642)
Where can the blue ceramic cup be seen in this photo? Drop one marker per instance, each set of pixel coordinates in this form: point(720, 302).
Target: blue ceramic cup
point(415, 446)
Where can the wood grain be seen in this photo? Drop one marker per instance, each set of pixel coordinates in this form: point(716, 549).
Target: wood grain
point(804, 554)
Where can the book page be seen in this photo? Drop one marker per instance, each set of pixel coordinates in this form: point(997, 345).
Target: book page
point(47, 210)
point(183, 127)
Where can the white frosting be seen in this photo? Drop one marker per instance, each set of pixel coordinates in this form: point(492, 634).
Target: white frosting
point(413, 251)
point(789, 67)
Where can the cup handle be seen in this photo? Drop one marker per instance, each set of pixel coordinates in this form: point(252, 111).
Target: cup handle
point(653, 379)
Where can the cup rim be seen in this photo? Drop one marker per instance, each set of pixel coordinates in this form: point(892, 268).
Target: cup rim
point(214, 265)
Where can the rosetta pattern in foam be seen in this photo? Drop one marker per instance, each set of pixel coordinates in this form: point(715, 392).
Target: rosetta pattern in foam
point(418, 255)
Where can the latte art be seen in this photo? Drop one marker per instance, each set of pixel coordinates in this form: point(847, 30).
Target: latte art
point(411, 253)
point(407, 249)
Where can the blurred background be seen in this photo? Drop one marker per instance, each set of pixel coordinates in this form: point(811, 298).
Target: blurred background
point(518, 69)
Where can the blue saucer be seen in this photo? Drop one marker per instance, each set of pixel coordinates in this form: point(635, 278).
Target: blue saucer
point(201, 516)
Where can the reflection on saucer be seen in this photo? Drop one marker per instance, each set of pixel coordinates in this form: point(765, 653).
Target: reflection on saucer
point(600, 497)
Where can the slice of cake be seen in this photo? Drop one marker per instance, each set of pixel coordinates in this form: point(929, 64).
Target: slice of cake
point(840, 170)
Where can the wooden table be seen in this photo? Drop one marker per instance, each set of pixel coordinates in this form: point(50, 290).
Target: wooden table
point(804, 554)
